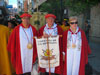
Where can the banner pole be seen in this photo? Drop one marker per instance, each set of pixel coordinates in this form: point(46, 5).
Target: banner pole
point(51, 36)
point(48, 56)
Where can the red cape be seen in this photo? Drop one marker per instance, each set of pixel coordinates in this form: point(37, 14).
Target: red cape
point(58, 69)
point(85, 50)
point(14, 48)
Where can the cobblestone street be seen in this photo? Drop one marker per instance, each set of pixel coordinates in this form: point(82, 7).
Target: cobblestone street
point(94, 58)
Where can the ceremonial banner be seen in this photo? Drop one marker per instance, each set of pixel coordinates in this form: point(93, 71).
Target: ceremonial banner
point(44, 52)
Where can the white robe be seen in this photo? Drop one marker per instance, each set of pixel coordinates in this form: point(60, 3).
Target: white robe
point(26, 54)
point(73, 54)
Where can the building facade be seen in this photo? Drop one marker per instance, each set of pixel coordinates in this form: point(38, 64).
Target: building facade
point(3, 9)
point(19, 6)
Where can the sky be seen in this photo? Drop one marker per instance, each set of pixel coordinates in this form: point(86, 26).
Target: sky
point(13, 2)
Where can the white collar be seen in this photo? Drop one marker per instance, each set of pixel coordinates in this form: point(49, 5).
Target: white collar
point(54, 25)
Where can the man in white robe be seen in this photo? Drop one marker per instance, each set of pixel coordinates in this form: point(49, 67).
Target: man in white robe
point(22, 46)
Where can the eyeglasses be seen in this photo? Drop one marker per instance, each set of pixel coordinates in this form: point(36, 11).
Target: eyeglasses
point(74, 23)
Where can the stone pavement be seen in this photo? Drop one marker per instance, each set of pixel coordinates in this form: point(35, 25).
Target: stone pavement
point(94, 58)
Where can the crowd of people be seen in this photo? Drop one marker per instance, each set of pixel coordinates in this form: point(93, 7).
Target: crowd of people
point(18, 51)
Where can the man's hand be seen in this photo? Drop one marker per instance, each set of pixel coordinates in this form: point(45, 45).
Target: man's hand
point(45, 35)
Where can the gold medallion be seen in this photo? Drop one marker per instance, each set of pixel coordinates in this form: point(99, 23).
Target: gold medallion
point(29, 45)
point(73, 45)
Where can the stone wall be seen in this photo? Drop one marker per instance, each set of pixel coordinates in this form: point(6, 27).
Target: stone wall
point(95, 23)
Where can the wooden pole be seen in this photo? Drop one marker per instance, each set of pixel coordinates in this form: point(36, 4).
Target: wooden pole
point(48, 56)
